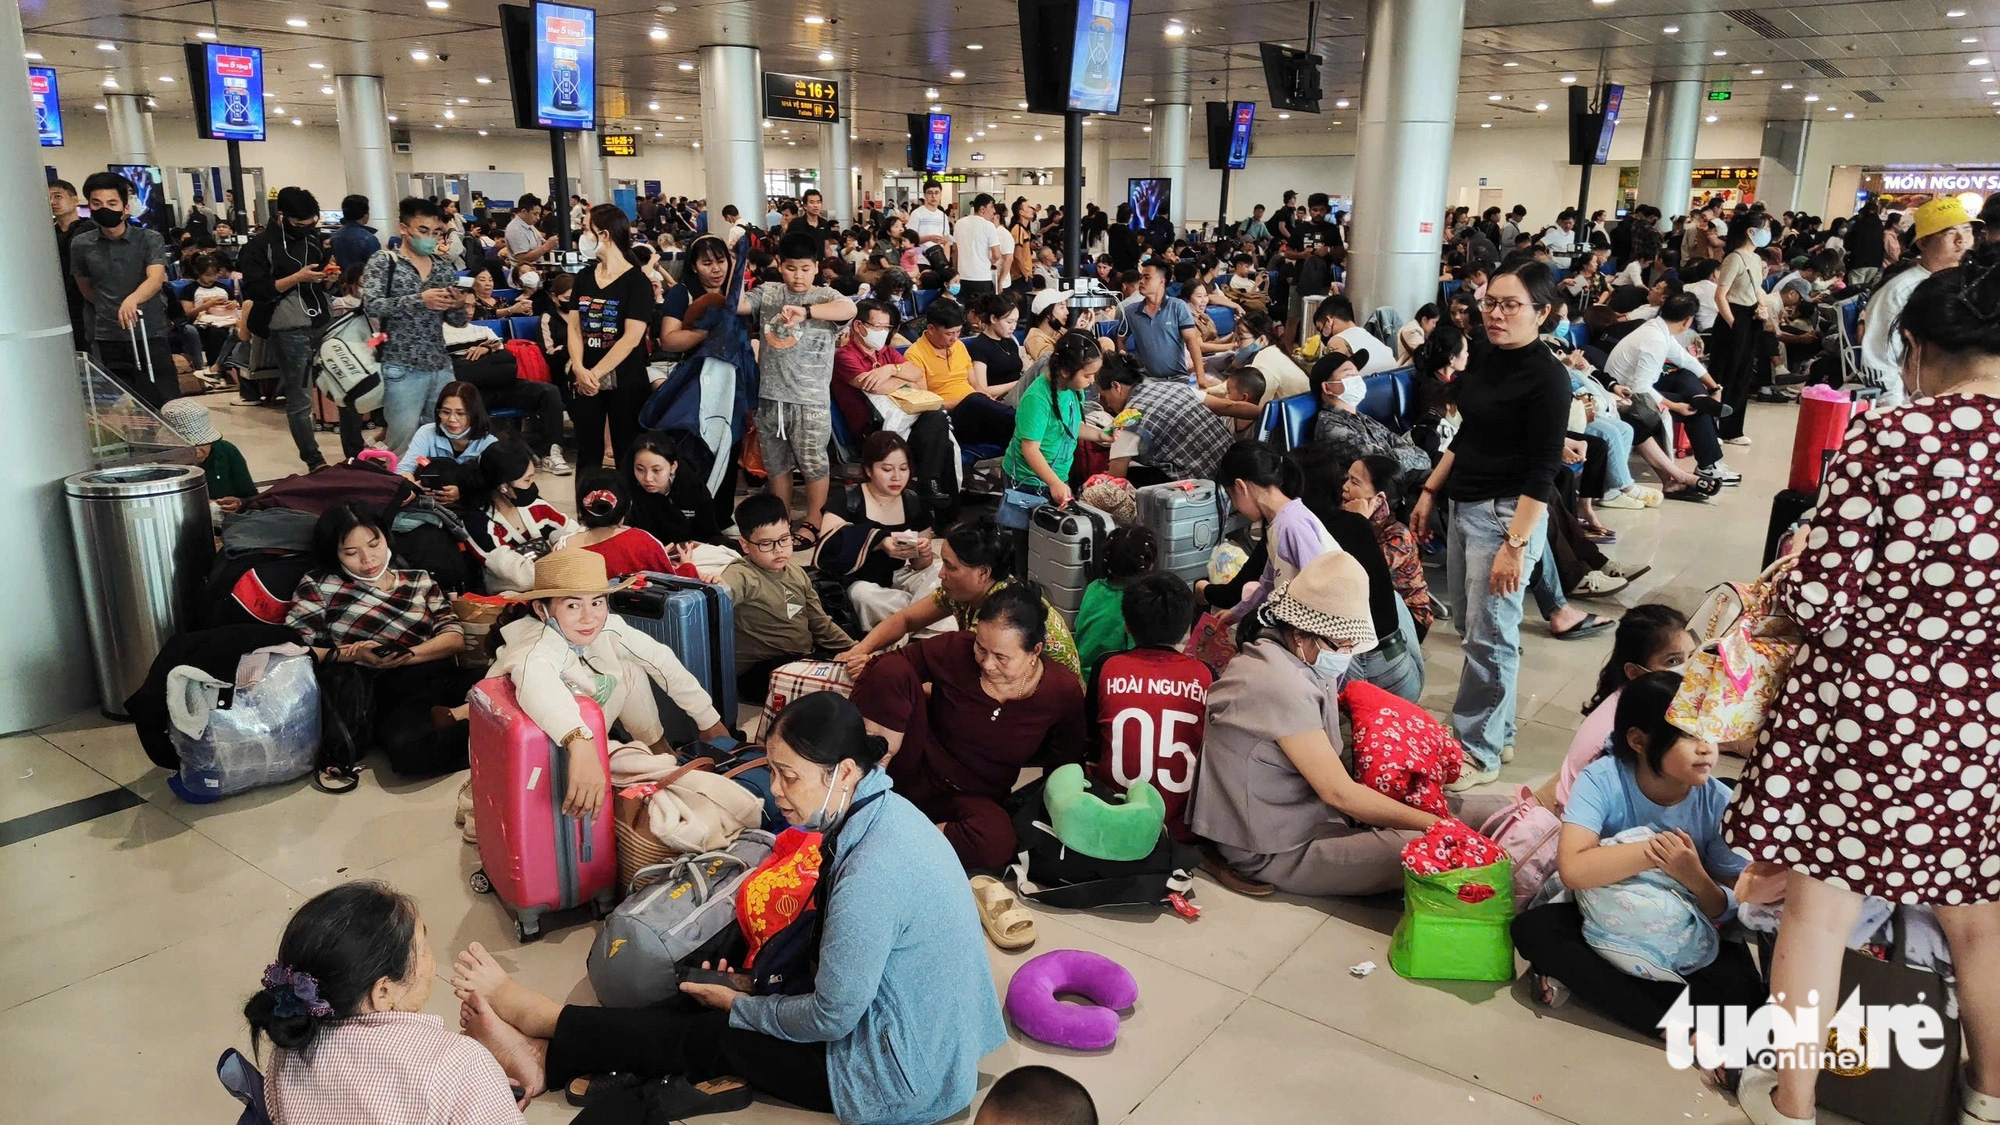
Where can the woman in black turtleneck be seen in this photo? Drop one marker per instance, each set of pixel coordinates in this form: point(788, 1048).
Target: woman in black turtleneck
point(1513, 405)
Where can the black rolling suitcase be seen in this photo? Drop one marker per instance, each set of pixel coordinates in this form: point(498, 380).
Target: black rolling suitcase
point(1787, 507)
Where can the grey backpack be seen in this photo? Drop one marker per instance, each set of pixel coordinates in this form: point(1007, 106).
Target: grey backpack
point(635, 962)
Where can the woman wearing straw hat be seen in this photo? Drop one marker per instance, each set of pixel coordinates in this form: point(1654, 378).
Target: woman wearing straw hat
point(1276, 796)
point(567, 643)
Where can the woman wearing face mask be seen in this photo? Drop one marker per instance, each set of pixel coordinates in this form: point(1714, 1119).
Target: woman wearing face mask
point(610, 315)
point(1734, 339)
point(901, 1007)
point(552, 303)
point(528, 279)
point(510, 525)
point(1275, 795)
point(706, 272)
point(459, 432)
point(384, 640)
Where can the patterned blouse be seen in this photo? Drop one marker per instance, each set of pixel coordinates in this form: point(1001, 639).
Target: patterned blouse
point(1059, 647)
point(1399, 547)
point(333, 609)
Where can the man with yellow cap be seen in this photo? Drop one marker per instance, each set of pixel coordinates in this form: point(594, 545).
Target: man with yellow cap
point(1943, 230)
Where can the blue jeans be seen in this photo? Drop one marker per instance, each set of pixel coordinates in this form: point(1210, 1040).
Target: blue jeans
point(1617, 433)
point(409, 398)
point(1401, 675)
point(1489, 625)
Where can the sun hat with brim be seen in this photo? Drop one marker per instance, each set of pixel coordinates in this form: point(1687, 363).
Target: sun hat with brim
point(572, 572)
point(1329, 599)
point(1939, 214)
point(190, 420)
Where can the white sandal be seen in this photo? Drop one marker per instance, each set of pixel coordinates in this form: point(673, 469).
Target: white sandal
point(1976, 1108)
point(1753, 1097)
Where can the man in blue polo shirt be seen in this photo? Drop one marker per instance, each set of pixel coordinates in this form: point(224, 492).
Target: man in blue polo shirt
point(1159, 330)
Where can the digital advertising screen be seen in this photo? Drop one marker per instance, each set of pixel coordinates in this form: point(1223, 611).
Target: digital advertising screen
point(565, 66)
point(1242, 116)
point(1097, 66)
point(148, 204)
point(1149, 198)
point(937, 143)
point(1614, 96)
point(234, 77)
point(48, 110)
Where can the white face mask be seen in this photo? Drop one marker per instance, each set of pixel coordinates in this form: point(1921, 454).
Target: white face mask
point(1331, 665)
point(588, 245)
point(826, 820)
point(531, 280)
point(375, 577)
point(457, 433)
point(1761, 237)
point(875, 338)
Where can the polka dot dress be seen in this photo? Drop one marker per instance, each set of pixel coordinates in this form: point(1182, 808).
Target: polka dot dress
point(1880, 766)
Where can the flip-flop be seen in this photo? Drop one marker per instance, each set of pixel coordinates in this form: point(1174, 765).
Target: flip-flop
point(1590, 624)
point(336, 779)
point(1690, 494)
point(1007, 922)
point(589, 1088)
point(674, 1098)
point(1602, 536)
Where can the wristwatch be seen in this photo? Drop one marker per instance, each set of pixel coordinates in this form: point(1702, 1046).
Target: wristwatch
point(1517, 542)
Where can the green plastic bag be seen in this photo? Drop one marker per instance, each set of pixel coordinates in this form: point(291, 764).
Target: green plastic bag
point(1444, 937)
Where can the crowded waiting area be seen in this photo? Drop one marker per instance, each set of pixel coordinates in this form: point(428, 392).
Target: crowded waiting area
point(1047, 563)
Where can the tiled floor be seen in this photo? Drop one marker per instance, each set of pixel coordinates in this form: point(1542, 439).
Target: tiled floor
point(132, 940)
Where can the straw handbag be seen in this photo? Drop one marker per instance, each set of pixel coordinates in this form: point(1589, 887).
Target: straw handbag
point(1746, 652)
point(687, 810)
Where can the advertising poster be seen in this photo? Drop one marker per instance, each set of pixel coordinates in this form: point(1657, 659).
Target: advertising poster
point(1241, 117)
point(565, 66)
point(1097, 67)
point(48, 111)
point(235, 92)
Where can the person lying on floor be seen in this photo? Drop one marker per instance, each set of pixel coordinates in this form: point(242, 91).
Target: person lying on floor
point(965, 712)
point(1276, 797)
point(343, 1008)
point(1656, 777)
point(902, 1006)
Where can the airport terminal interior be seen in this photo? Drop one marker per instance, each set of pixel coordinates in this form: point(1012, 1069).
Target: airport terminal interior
point(393, 339)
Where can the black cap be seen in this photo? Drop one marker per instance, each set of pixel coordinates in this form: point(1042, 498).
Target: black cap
point(297, 204)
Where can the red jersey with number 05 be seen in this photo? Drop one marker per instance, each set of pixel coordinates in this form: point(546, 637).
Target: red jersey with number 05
point(1151, 704)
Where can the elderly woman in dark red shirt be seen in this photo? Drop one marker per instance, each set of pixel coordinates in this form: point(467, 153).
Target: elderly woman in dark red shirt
point(995, 702)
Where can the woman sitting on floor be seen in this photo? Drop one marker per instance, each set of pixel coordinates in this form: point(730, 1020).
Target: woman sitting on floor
point(902, 1007)
point(510, 525)
point(603, 512)
point(1277, 797)
point(965, 712)
point(876, 535)
point(670, 498)
point(343, 1008)
point(384, 640)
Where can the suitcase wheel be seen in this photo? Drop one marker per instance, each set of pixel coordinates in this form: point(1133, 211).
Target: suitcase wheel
point(480, 884)
point(526, 931)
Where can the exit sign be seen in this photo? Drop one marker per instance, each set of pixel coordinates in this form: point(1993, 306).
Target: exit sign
point(1718, 95)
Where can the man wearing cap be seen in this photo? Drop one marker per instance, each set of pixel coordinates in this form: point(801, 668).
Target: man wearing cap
point(1943, 230)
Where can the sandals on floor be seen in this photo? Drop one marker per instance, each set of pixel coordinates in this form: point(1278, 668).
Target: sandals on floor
point(675, 1098)
point(336, 779)
point(1590, 625)
point(1690, 493)
point(1600, 535)
point(583, 1091)
point(1007, 922)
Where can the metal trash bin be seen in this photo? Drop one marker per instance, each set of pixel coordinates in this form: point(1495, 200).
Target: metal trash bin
point(144, 546)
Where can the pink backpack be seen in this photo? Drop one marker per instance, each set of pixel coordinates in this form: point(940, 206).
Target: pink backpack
point(1529, 833)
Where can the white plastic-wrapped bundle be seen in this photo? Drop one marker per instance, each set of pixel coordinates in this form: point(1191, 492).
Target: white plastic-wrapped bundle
point(261, 730)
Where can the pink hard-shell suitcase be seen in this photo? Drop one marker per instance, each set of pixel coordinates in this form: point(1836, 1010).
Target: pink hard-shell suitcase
point(532, 856)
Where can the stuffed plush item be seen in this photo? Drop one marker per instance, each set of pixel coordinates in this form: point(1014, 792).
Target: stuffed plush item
point(1124, 831)
point(1227, 562)
point(1032, 1004)
point(1399, 750)
point(1649, 926)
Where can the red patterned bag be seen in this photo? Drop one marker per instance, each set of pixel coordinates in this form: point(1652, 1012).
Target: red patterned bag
point(1450, 845)
point(779, 890)
point(1399, 750)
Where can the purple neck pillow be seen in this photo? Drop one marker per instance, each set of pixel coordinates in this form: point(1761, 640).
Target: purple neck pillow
point(1032, 1003)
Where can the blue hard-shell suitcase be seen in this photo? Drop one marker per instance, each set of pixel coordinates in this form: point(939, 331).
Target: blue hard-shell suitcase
point(697, 620)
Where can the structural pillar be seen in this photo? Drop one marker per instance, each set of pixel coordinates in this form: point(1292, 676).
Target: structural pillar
point(1409, 108)
point(1169, 157)
point(1666, 167)
point(732, 141)
point(45, 668)
point(591, 180)
point(365, 150)
point(836, 173)
point(131, 136)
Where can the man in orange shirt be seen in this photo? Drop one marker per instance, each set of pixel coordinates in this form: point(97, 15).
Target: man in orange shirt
point(976, 418)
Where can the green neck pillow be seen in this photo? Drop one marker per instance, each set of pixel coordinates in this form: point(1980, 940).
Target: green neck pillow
point(1123, 831)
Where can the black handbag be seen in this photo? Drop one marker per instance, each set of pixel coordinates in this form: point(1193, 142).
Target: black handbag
point(1053, 874)
point(1894, 1094)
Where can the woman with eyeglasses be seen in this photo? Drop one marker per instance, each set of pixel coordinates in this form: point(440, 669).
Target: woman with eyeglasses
point(1513, 407)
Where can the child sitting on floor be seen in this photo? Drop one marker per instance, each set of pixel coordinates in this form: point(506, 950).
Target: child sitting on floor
point(1152, 700)
point(1660, 778)
point(779, 618)
point(1130, 553)
point(1036, 1095)
point(1650, 638)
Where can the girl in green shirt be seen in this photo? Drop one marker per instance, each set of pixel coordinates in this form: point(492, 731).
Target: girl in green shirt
point(1049, 420)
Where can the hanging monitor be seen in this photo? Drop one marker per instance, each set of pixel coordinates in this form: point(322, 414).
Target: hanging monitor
point(937, 142)
point(48, 108)
point(1293, 77)
point(228, 87)
point(1229, 125)
point(1097, 58)
point(551, 54)
point(1607, 109)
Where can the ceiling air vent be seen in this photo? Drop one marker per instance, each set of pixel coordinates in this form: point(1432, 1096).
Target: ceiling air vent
point(1824, 67)
point(1869, 96)
point(1756, 22)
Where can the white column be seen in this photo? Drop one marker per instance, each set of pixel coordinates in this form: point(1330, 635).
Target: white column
point(1666, 166)
point(364, 145)
point(732, 142)
point(1409, 107)
point(836, 173)
point(131, 139)
point(1169, 157)
point(45, 666)
point(591, 182)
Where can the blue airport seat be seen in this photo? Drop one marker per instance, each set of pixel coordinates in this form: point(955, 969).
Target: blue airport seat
point(1224, 318)
point(506, 296)
point(1295, 416)
point(1579, 333)
point(182, 287)
point(924, 297)
point(1385, 398)
point(499, 327)
point(524, 328)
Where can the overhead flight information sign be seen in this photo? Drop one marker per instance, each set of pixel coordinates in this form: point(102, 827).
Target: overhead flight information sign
point(801, 97)
point(235, 79)
point(618, 144)
point(48, 110)
point(565, 66)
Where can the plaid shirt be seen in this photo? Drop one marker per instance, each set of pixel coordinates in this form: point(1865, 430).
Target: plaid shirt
point(1184, 438)
point(332, 609)
point(405, 1067)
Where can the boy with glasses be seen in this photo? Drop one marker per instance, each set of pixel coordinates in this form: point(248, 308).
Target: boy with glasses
point(779, 618)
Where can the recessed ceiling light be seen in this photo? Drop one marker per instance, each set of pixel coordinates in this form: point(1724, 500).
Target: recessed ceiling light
point(931, 93)
point(1672, 29)
point(815, 21)
point(482, 132)
point(1785, 86)
point(696, 144)
point(450, 115)
point(1510, 63)
point(1485, 124)
point(1020, 105)
point(767, 124)
point(107, 46)
point(1988, 78)
point(958, 74)
point(975, 46)
point(1015, 116)
point(1955, 13)
point(937, 108)
point(277, 111)
point(1980, 61)
point(1848, 116)
point(1718, 52)
point(785, 132)
point(33, 56)
point(657, 35)
point(1568, 79)
point(296, 21)
point(204, 33)
point(483, 80)
point(167, 78)
point(437, 125)
point(1175, 29)
point(152, 103)
point(1148, 101)
point(297, 121)
point(1038, 136)
point(329, 90)
point(1812, 97)
point(315, 66)
point(1341, 104)
point(111, 83)
point(437, 5)
point(1970, 39)
point(465, 101)
point(268, 95)
point(1145, 128)
point(1492, 97)
point(1600, 1)
point(654, 106)
point(1284, 117)
point(1711, 119)
point(657, 135)
point(1756, 70)
point(1831, 108)
point(392, 117)
point(1541, 106)
point(419, 54)
point(98, 107)
point(687, 66)
point(1336, 123)
point(791, 144)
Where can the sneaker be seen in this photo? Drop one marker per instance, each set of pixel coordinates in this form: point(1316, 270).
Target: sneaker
point(1623, 501)
point(1598, 584)
point(1720, 474)
point(1628, 572)
point(1739, 439)
point(555, 464)
point(1647, 493)
point(1473, 779)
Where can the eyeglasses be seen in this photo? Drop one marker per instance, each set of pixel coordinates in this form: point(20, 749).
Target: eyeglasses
point(1489, 306)
point(771, 545)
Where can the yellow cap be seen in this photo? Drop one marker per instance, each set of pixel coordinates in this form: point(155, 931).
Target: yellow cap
point(1940, 214)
